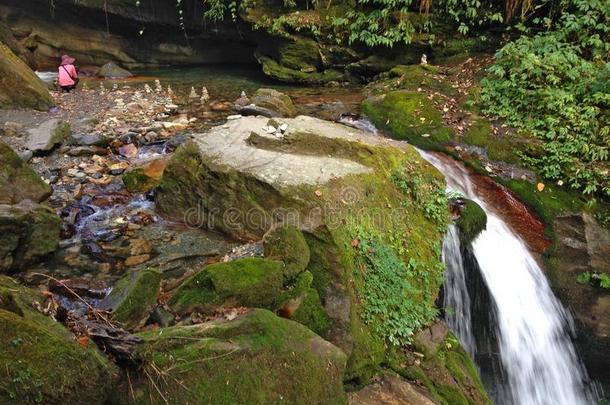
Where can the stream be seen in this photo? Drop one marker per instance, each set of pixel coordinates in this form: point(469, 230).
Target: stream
point(502, 308)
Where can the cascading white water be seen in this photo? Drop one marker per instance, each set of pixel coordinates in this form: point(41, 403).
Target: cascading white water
point(456, 300)
point(536, 351)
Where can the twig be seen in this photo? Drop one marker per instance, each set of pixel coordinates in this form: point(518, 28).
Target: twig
point(155, 385)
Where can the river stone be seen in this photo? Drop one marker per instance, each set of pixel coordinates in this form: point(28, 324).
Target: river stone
point(113, 71)
point(28, 232)
point(18, 181)
point(43, 359)
point(93, 139)
point(133, 298)
point(275, 101)
point(47, 135)
point(19, 85)
point(253, 358)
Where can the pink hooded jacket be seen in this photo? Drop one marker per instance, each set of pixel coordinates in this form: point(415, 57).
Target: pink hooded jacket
point(66, 69)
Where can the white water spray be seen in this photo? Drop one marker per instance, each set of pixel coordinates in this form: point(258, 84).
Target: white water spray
point(541, 363)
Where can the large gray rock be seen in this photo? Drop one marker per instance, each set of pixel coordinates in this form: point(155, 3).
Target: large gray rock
point(390, 389)
point(272, 100)
point(17, 180)
point(28, 232)
point(47, 135)
point(113, 71)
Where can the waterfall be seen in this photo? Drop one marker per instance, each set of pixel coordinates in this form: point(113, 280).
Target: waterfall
point(456, 300)
point(533, 329)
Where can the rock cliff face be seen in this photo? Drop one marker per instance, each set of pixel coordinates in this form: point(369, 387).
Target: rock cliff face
point(583, 246)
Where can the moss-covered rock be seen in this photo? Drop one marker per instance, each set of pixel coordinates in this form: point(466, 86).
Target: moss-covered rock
point(288, 244)
point(255, 358)
point(302, 304)
point(408, 115)
point(40, 361)
point(337, 183)
point(472, 221)
point(285, 74)
point(28, 232)
point(145, 178)
point(19, 85)
point(133, 298)
point(250, 282)
point(274, 101)
point(500, 148)
point(17, 180)
point(448, 373)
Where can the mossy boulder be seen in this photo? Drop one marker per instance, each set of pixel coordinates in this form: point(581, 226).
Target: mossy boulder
point(48, 135)
point(19, 85)
point(28, 232)
point(249, 282)
point(410, 116)
point(288, 244)
point(133, 298)
point(41, 362)
point(302, 304)
point(18, 181)
point(447, 372)
point(274, 101)
point(285, 74)
point(255, 358)
point(500, 148)
point(113, 71)
point(334, 183)
point(472, 221)
point(144, 178)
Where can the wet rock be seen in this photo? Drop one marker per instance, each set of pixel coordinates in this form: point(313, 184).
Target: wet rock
point(18, 181)
point(288, 244)
point(118, 168)
point(20, 87)
point(93, 139)
point(136, 260)
point(86, 151)
point(144, 178)
point(584, 246)
point(112, 71)
point(133, 298)
point(130, 150)
point(255, 110)
point(471, 222)
point(44, 357)
point(79, 287)
point(270, 360)
point(28, 232)
point(390, 389)
point(162, 317)
point(251, 282)
point(47, 135)
point(275, 101)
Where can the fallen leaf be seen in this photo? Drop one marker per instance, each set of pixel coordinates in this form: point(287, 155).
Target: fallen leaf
point(318, 193)
point(83, 341)
point(355, 242)
point(540, 186)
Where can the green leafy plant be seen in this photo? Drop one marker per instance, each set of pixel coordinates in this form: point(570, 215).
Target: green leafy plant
point(554, 86)
point(601, 280)
point(393, 307)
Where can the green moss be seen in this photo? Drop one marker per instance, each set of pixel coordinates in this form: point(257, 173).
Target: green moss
point(256, 358)
point(409, 116)
point(250, 282)
point(136, 181)
point(19, 86)
point(288, 244)
point(499, 148)
point(40, 362)
point(17, 180)
point(133, 298)
point(285, 74)
point(449, 375)
point(472, 221)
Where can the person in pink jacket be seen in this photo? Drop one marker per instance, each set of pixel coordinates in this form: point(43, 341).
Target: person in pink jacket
point(67, 76)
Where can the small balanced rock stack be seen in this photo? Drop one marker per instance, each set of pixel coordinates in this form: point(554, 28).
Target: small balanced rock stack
point(205, 96)
point(193, 94)
point(170, 92)
point(158, 87)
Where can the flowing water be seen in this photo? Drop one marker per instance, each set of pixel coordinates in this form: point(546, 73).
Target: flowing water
point(533, 330)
